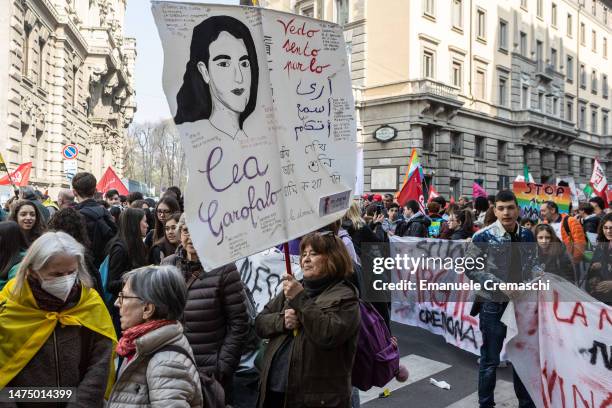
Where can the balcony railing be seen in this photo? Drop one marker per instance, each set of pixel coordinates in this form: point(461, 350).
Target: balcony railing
point(544, 119)
point(428, 86)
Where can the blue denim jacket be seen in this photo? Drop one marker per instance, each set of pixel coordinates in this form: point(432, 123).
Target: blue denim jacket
point(493, 243)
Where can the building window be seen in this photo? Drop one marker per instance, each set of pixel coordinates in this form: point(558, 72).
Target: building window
point(594, 82)
point(456, 143)
point(604, 86)
point(569, 66)
point(502, 148)
point(605, 47)
point(555, 106)
point(429, 7)
point(593, 120)
point(458, 13)
point(539, 55)
point(569, 111)
point(503, 35)
point(604, 123)
point(25, 50)
point(582, 34)
point(480, 84)
point(41, 62)
point(75, 74)
point(523, 44)
point(541, 101)
point(525, 96)
point(594, 7)
point(582, 161)
point(502, 91)
point(481, 20)
point(455, 188)
point(605, 15)
point(594, 40)
point(582, 118)
point(540, 8)
point(582, 76)
point(457, 78)
point(503, 183)
point(553, 58)
point(553, 14)
point(428, 139)
point(479, 147)
point(307, 11)
point(428, 64)
point(569, 25)
point(524, 4)
point(342, 11)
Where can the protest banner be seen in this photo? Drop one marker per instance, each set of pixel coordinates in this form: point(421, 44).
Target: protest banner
point(531, 195)
point(560, 344)
point(262, 273)
point(263, 103)
point(434, 310)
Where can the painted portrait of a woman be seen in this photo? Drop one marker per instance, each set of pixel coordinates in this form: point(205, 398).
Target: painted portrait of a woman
point(221, 77)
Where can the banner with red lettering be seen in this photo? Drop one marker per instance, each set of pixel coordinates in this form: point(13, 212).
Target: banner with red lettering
point(264, 106)
point(560, 343)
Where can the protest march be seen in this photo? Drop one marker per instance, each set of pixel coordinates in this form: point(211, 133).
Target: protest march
point(272, 279)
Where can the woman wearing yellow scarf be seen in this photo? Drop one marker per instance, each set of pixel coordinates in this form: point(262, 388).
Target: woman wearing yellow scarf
point(54, 328)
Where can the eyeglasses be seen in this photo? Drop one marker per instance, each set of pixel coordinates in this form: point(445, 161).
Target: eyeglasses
point(121, 296)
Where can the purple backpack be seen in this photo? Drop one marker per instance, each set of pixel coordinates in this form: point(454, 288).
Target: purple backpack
point(377, 357)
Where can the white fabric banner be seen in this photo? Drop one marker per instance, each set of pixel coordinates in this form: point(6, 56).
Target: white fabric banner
point(263, 103)
point(560, 343)
point(432, 310)
point(262, 273)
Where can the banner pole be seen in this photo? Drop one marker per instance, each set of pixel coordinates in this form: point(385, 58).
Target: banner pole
point(3, 166)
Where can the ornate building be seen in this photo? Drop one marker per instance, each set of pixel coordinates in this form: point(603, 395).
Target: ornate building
point(67, 77)
point(479, 87)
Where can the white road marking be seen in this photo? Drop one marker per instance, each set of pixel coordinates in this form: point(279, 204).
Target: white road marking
point(504, 397)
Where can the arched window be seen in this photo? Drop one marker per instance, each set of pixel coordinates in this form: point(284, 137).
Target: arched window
point(27, 30)
point(41, 62)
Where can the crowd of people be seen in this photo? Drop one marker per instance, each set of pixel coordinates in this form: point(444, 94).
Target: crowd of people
point(107, 294)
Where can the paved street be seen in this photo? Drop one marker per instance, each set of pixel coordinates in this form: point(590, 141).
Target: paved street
point(428, 356)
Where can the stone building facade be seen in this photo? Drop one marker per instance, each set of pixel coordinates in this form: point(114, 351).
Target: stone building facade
point(479, 87)
point(67, 77)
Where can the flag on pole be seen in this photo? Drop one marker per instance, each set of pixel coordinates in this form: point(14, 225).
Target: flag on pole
point(20, 177)
point(412, 188)
point(110, 181)
point(588, 191)
point(527, 175)
point(433, 193)
point(599, 182)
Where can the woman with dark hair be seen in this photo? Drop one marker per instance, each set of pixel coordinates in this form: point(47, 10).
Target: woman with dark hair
point(29, 219)
point(166, 206)
point(175, 192)
point(313, 327)
point(221, 77)
point(167, 244)
point(12, 249)
point(72, 222)
point(460, 225)
point(551, 255)
point(125, 252)
point(599, 278)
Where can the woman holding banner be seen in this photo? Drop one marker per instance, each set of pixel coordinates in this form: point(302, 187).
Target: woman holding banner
point(313, 328)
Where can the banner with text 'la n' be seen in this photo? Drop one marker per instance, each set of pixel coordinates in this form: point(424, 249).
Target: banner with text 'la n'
point(560, 344)
point(263, 103)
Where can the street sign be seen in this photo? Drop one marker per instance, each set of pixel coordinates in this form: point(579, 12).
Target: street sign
point(70, 152)
point(70, 169)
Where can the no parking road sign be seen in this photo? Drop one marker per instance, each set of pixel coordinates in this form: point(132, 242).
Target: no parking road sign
point(70, 152)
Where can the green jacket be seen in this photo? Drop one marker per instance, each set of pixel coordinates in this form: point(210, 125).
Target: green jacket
point(13, 271)
point(322, 353)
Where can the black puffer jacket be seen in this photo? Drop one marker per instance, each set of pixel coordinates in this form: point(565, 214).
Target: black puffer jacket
point(215, 319)
point(415, 227)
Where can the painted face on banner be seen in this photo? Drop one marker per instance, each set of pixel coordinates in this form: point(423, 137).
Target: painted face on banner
point(229, 72)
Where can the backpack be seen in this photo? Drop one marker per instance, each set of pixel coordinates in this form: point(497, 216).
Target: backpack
point(588, 251)
point(100, 232)
point(377, 356)
point(213, 393)
point(107, 296)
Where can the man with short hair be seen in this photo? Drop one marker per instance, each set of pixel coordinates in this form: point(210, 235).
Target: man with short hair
point(390, 223)
point(388, 200)
point(598, 205)
point(504, 257)
point(590, 220)
point(568, 229)
point(134, 196)
point(100, 225)
point(112, 198)
point(65, 199)
point(416, 223)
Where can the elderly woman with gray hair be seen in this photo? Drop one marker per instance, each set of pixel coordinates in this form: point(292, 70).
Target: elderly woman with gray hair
point(55, 329)
point(158, 359)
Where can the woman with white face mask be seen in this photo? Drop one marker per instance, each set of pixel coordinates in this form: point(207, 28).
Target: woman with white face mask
point(55, 329)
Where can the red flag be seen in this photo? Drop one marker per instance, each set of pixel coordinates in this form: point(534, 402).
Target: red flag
point(110, 181)
point(432, 194)
point(20, 177)
point(478, 191)
point(412, 190)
